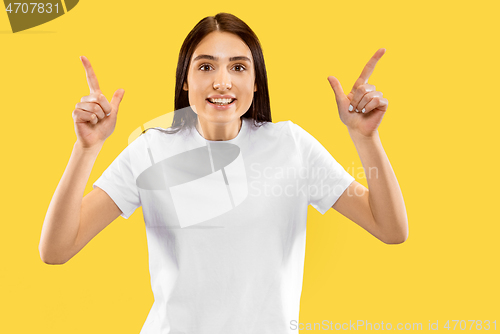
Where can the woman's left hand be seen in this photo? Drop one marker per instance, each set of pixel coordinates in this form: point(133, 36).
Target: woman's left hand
point(363, 108)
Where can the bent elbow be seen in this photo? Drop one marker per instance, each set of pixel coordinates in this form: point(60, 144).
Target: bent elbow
point(52, 262)
point(48, 260)
point(396, 240)
point(394, 233)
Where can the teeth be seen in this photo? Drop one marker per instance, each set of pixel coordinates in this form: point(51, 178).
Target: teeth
point(221, 101)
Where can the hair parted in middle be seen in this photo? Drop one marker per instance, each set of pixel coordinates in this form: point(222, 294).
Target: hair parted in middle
point(260, 109)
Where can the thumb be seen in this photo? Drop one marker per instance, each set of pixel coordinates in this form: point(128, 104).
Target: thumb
point(337, 89)
point(117, 98)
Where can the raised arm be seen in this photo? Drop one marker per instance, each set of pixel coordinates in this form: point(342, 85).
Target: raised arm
point(71, 221)
point(380, 209)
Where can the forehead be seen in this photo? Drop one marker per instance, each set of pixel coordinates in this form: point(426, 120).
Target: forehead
point(222, 45)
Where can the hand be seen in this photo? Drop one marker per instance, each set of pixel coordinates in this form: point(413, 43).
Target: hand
point(94, 116)
point(363, 108)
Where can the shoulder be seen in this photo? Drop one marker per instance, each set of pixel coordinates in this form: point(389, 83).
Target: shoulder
point(287, 131)
point(156, 135)
point(273, 129)
point(151, 139)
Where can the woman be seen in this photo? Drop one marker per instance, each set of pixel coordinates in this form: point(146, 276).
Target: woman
point(224, 191)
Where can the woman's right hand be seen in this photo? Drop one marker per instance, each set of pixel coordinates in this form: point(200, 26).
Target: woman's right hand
point(94, 116)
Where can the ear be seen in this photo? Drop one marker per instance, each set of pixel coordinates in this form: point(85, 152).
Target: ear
point(185, 86)
point(255, 88)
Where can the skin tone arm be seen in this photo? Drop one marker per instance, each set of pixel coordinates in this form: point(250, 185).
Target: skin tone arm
point(70, 222)
point(380, 209)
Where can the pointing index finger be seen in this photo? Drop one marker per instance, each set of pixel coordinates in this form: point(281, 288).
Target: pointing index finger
point(369, 67)
point(91, 77)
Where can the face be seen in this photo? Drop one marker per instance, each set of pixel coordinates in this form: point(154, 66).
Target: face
point(213, 72)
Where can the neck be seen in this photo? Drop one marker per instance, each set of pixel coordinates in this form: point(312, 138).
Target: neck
point(219, 131)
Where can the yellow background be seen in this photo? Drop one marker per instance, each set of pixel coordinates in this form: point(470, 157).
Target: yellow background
point(440, 75)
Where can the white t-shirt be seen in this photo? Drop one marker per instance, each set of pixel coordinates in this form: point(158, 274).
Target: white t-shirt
point(235, 266)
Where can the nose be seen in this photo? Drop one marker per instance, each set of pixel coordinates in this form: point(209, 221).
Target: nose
point(222, 80)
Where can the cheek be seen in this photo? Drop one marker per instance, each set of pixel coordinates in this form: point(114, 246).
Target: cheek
point(200, 84)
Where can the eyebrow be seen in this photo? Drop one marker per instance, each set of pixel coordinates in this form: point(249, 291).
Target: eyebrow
point(217, 58)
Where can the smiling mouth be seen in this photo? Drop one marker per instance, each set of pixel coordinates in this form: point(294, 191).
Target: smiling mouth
point(221, 104)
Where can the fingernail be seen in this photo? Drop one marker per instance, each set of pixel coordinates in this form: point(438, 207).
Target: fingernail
point(108, 114)
point(363, 111)
point(350, 107)
point(357, 110)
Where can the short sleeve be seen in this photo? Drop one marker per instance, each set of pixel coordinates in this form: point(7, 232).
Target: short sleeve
point(119, 183)
point(326, 178)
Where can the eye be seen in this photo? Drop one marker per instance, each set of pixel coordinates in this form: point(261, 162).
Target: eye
point(203, 66)
point(241, 66)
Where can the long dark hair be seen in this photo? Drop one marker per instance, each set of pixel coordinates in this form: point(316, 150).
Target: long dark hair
point(260, 109)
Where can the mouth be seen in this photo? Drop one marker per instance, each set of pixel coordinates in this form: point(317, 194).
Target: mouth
point(221, 104)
